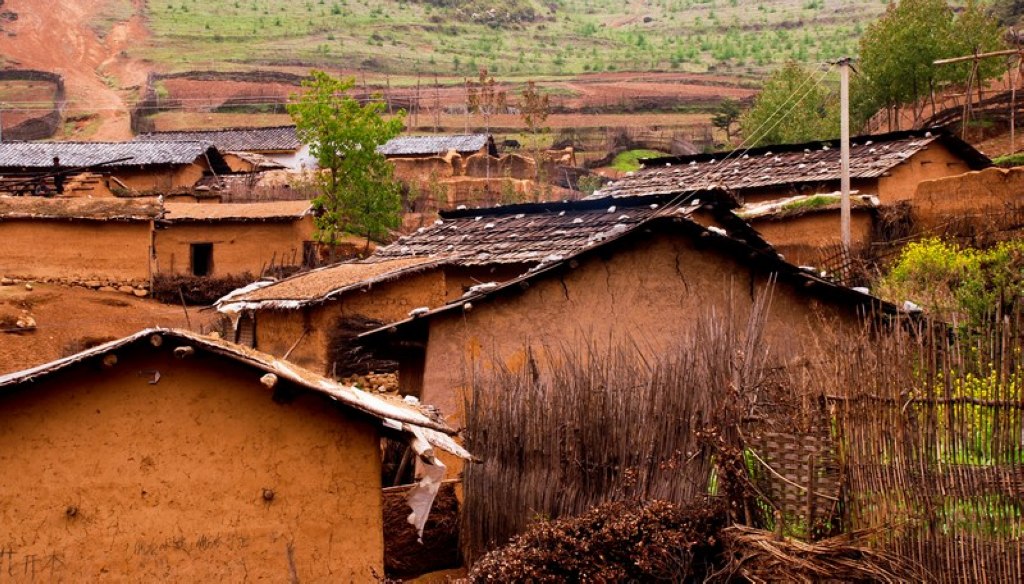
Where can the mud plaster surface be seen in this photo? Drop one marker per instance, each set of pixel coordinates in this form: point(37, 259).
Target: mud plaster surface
point(166, 480)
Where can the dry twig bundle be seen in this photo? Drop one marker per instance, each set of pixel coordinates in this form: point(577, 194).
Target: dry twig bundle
point(761, 556)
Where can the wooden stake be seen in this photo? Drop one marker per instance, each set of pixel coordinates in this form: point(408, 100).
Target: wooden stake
point(844, 104)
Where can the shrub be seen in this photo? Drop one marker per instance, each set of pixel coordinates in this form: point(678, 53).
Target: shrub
point(958, 283)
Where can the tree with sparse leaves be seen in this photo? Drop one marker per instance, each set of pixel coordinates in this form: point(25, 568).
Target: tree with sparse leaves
point(534, 107)
point(792, 107)
point(484, 97)
point(358, 193)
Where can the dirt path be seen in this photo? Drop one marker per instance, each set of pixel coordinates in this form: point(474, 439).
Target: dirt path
point(55, 35)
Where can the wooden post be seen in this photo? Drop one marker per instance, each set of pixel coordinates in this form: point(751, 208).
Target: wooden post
point(1013, 105)
point(844, 106)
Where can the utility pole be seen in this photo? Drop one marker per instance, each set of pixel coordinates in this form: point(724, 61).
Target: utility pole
point(844, 151)
point(1, 123)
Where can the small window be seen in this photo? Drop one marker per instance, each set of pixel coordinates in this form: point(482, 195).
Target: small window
point(202, 259)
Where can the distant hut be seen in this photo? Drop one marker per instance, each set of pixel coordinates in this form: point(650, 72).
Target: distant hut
point(141, 167)
point(106, 239)
point(230, 239)
point(278, 144)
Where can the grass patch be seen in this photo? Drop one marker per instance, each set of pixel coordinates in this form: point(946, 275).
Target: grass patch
point(519, 39)
point(1010, 160)
point(808, 204)
point(629, 160)
point(113, 12)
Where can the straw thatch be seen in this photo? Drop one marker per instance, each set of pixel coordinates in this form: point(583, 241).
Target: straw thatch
point(264, 211)
point(325, 283)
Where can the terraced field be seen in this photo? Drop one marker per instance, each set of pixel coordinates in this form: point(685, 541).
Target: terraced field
point(511, 38)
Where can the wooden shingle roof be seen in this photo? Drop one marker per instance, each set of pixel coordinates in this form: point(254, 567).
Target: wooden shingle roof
point(768, 166)
point(268, 139)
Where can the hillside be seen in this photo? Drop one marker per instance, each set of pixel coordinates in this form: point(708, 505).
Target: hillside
point(516, 38)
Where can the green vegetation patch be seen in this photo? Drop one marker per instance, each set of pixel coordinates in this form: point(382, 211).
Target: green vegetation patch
point(1010, 160)
point(629, 160)
point(457, 37)
point(808, 204)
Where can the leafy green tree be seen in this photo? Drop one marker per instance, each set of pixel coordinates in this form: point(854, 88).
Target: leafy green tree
point(357, 192)
point(792, 107)
point(897, 52)
point(726, 115)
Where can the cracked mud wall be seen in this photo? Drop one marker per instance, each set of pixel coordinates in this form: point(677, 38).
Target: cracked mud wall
point(651, 292)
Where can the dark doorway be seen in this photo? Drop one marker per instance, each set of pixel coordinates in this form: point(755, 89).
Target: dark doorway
point(202, 259)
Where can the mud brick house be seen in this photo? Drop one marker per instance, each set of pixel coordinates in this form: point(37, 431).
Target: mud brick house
point(279, 144)
point(889, 166)
point(648, 282)
point(312, 317)
point(168, 456)
point(307, 315)
point(219, 240)
point(805, 228)
point(107, 239)
point(140, 167)
point(442, 172)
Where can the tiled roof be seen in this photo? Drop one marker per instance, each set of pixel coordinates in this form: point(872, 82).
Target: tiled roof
point(520, 233)
point(39, 155)
point(420, 145)
point(269, 139)
point(321, 284)
point(734, 244)
point(870, 157)
point(175, 212)
point(101, 209)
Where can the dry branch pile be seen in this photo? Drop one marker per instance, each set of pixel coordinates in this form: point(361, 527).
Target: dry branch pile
point(614, 542)
point(760, 556)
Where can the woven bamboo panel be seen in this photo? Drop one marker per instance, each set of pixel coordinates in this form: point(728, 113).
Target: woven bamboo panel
point(799, 462)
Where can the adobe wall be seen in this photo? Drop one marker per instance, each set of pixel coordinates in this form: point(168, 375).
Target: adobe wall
point(980, 197)
point(161, 178)
point(936, 161)
point(78, 250)
point(654, 292)
point(109, 478)
point(238, 164)
point(515, 166)
point(278, 330)
point(803, 238)
point(238, 247)
point(423, 170)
